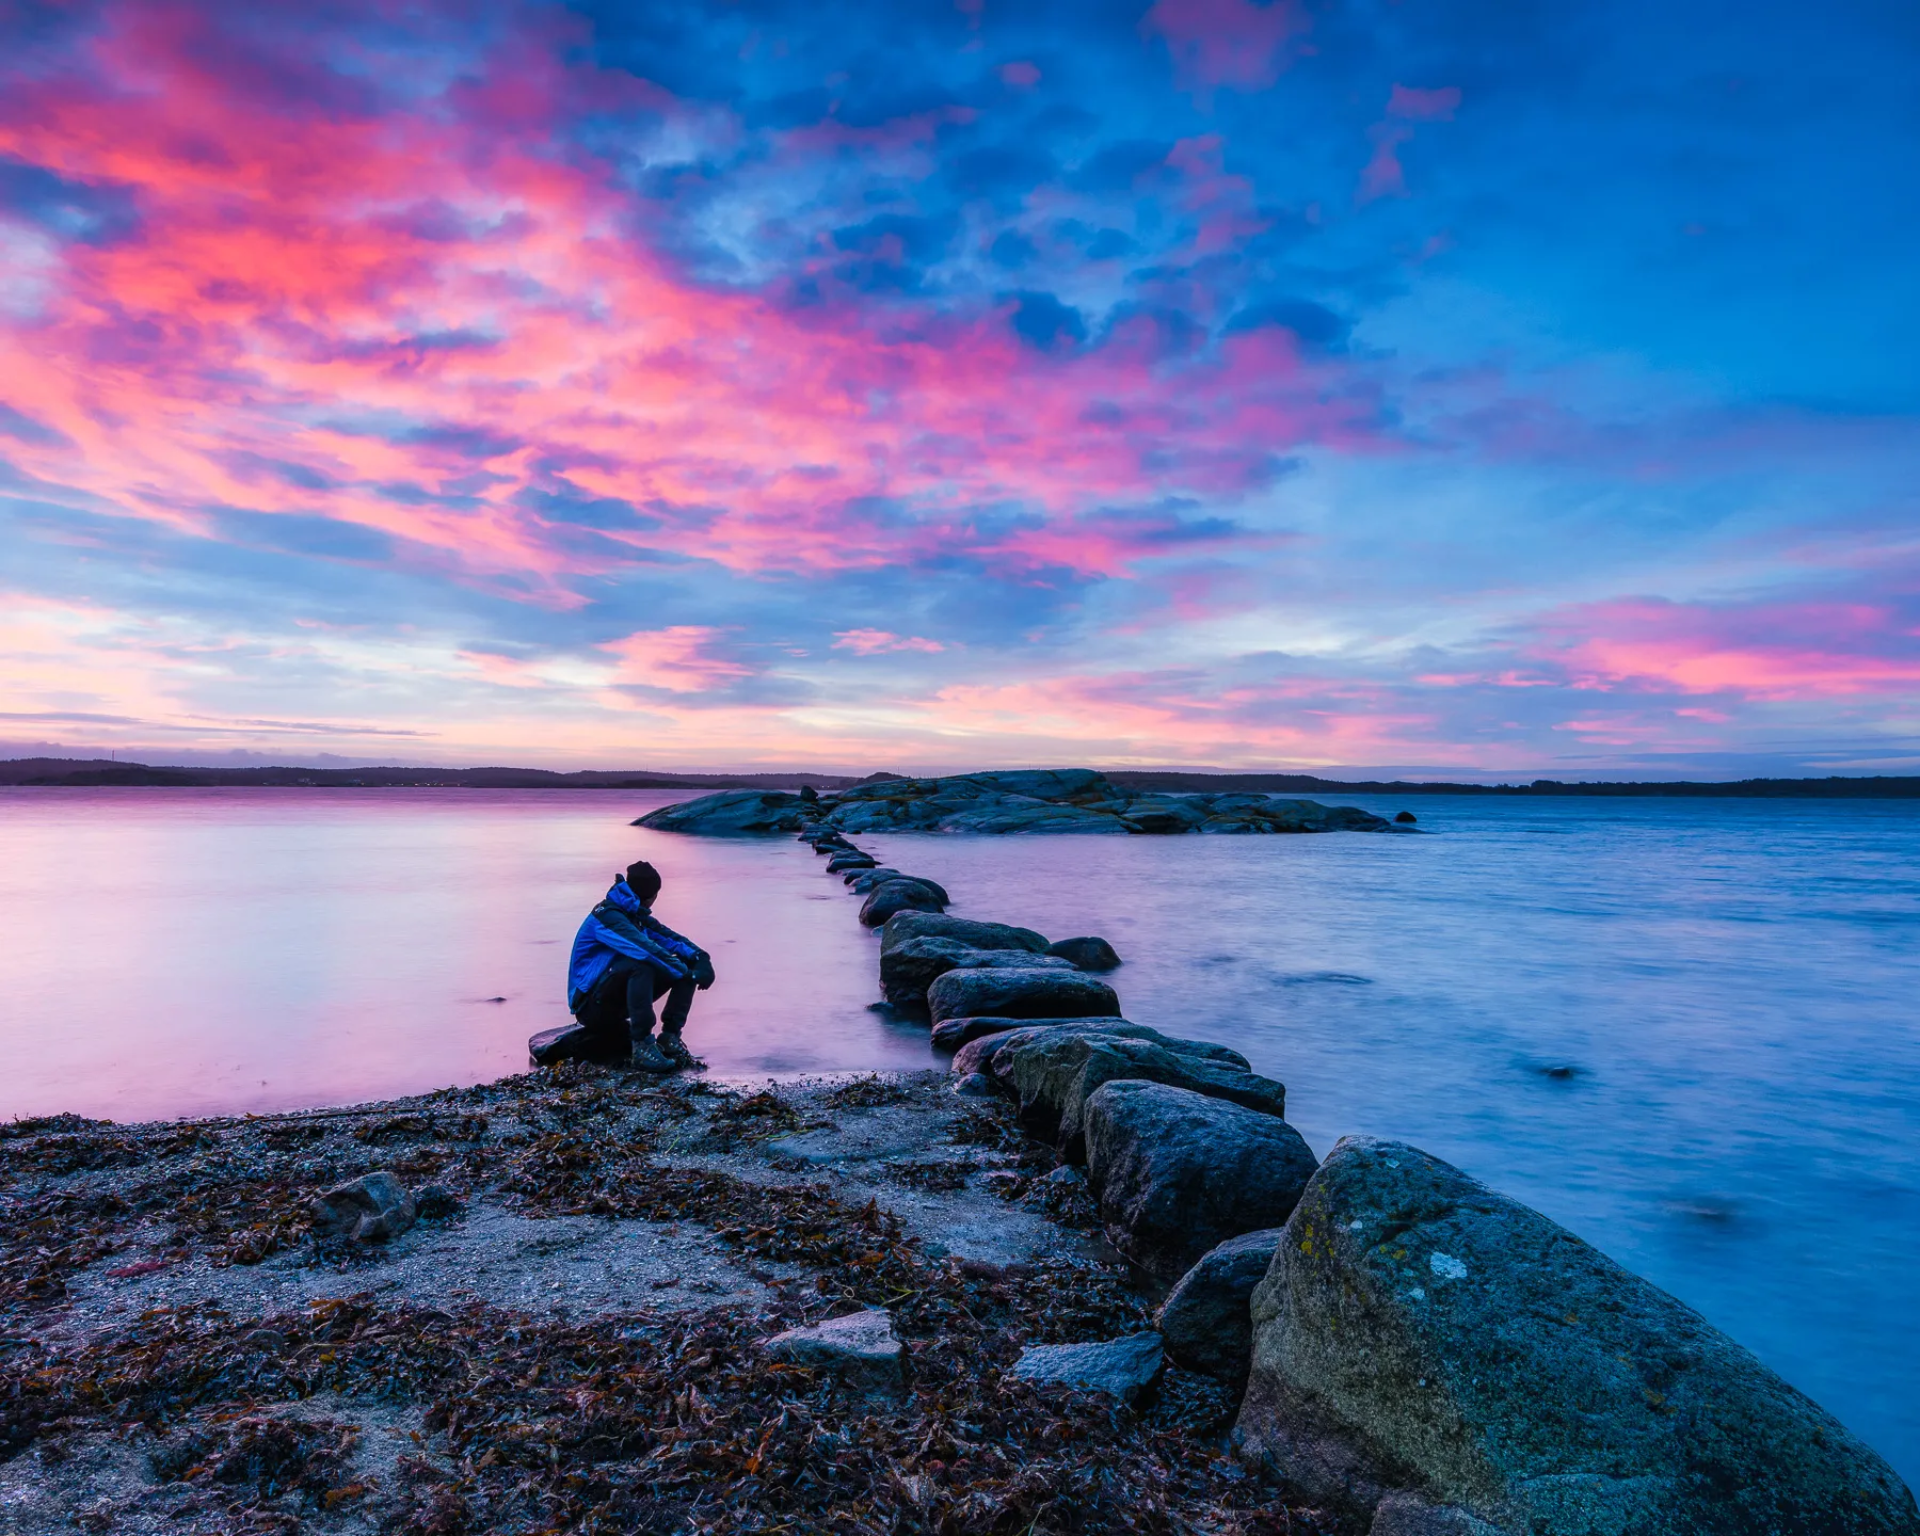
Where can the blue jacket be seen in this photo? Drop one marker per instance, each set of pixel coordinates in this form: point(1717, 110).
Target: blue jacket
point(621, 925)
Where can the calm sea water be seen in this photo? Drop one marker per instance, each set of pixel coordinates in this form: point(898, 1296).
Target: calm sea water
point(1732, 984)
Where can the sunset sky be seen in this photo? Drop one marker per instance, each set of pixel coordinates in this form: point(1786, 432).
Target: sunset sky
point(1462, 385)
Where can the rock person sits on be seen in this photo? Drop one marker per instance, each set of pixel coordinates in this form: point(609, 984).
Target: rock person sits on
point(624, 958)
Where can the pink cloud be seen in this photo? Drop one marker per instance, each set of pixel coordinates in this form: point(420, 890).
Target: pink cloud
point(1383, 175)
point(676, 659)
point(1228, 42)
point(1020, 73)
point(872, 642)
point(1420, 106)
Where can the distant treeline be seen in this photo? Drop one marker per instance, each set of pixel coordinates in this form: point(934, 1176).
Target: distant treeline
point(86, 773)
point(1835, 788)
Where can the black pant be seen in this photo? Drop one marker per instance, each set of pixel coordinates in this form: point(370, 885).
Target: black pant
point(624, 996)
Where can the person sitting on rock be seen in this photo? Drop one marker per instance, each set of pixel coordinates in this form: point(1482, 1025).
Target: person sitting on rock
point(623, 958)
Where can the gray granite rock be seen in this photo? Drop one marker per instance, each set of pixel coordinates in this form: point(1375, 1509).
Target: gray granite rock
point(953, 1034)
point(1404, 1514)
point(907, 926)
point(860, 1347)
point(1178, 1173)
point(1121, 1368)
point(895, 896)
point(1205, 1320)
point(1045, 990)
point(371, 1209)
point(1089, 954)
point(1418, 1332)
point(981, 1055)
point(1052, 1076)
point(845, 859)
point(908, 970)
point(732, 813)
point(860, 881)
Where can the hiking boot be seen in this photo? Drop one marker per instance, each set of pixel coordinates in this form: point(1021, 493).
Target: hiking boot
point(648, 1056)
point(675, 1050)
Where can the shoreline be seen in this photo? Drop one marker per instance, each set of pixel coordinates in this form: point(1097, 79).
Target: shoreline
point(178, 1345)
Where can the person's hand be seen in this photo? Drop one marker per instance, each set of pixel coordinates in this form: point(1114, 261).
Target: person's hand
point(702, 970)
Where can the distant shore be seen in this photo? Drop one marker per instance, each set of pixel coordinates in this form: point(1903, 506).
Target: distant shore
point(98, 773)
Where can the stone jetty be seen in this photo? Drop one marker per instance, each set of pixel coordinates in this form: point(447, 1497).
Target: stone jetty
point(1413, 1351)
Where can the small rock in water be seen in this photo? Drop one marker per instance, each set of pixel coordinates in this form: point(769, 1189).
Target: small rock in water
point(1560, 1070)
point(809, 794)
point(1088, 954)
point(860, 1347)
point(1406, 818)
point(372, 1209)
point(847, 859)
point(898, 896)
point(976, 1085)
point(1122, 1368)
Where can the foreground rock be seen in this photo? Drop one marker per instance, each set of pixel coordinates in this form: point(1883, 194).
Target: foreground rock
point(1089, 954)
point(1072, 800)
point(372, 1209)
point(1121, 1368)
point(1055, 1075)
point(1206, 1320)
point(573, 1042)
point(907, 970)
point(1419, 1332)
point(988, 1054)
point(1178, 1173)
point(860, 1348)
point(1047, 990)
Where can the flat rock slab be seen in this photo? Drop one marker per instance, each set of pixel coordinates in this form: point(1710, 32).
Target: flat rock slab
point(1178, 1173)
point(907, 970)
point(1121, 1368)
point(985, 1053)
point(1419, 1332)
point(1025, 992)
point(860, 1347)
point(907, 926)
point(1206, 1320)
point(733, 813)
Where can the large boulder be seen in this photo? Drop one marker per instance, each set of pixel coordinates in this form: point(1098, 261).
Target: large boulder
point(1419, 1332)
point(1047, 990)
point(1054, 1075)
point(907, 970)
point(907, 926)
point(984, 1055)
point(894, 896)
point(953, 1034)
point(1177, 1173)
point(1089, 953)
point(1205, 1320)
point(732, 813)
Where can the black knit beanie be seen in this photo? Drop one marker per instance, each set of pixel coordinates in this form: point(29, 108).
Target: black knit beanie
point(645, 880)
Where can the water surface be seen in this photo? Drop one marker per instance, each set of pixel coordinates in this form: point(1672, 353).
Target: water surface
point(1685, 1029)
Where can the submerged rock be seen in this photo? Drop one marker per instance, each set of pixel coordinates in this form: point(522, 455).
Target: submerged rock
point(1178, 1173)
point(1089, 954)
point(732, 813)
point(1121, 1368)
point(1205, 1320)
point(859, 1347)
point(1053, 1076)
point(1419, 1332)
point(895, 896)
point(372, 1209)
point(1046, 990)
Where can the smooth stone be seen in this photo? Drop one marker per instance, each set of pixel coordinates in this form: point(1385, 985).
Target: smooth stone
point(1205, 1319)
point(981, 1055)
point(907, 926)
point(860, 1347)
point(1021, 992)
point(1178, 1173)
point(732, 813)
point(1089, 954)
point(1121, 1368)
point(908, 970)
point(860, 881)
point(895, 896)
point(371, 1209)
point(574, 1042)
point(1419, 1332)
point(1406, 818)
point(1053, 1076)
point(850, 858)
point(952, 1034)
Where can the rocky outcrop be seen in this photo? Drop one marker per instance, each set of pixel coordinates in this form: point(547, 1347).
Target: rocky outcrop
point(907, 970)
point(372, 1209)
point(860, 1348)
point(1205, 1320)
point(895, 896)
point(1054, 1075)
point(1177, 1173)
point(987, 1054)
point(1070, 800)
point(1419, 1333)
point(976, 935)
point(1088, 954)
point(1121, 1368)
point(1047, 990)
